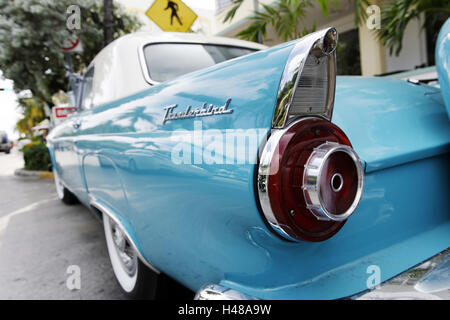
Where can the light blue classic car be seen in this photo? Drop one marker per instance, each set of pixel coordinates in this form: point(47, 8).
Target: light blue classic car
point(245, 172)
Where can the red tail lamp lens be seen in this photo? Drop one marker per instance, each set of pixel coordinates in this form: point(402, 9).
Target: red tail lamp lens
point(309, 181)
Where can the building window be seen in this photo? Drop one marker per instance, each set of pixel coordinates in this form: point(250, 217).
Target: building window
point(348, 56)
point(433, 25)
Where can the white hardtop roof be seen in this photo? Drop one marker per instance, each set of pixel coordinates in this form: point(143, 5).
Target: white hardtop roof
point(145, 37)
point(118, 70)
point(192, 37)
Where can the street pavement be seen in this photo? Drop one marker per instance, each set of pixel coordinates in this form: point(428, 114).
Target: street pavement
point(41, 238)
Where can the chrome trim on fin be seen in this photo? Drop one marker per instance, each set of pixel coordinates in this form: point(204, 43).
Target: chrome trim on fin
point(320, 45)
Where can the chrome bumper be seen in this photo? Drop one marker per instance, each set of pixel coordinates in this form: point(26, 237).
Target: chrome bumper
point(218, 292)
point(428, 281)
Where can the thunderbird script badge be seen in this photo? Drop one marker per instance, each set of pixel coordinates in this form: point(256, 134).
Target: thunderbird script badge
point(189, 112)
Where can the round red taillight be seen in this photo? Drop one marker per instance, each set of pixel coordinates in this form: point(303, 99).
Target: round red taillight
point(309, 180)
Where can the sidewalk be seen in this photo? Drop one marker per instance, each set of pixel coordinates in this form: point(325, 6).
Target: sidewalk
point(10, 162)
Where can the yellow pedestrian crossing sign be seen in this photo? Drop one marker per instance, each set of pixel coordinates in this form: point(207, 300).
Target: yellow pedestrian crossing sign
point(171, 15)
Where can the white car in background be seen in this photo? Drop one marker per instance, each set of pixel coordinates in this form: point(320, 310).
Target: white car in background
point(5, 144)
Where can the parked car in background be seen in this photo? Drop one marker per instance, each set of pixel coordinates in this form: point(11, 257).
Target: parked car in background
point(244, 172)
point(5, 144)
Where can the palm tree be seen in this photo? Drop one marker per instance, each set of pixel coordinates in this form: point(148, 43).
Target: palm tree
point(395, 16)
point(33, 113)
point(286, 15)
point(283, 16)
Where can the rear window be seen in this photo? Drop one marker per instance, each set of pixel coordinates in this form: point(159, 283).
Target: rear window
point(166, 61)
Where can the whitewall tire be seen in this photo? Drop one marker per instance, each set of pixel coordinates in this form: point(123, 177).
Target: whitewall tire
point(63, 193)
point(135, 279)
point(123, 257)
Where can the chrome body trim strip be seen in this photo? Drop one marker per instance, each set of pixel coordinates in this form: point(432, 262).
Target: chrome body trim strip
point(143, 61)
point(321, 43)
point(144, 67)
point(218, 292)
point(94, 203)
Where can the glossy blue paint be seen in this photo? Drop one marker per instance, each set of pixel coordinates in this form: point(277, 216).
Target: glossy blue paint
point(391, 122)
point(443, 62)
point(199, 223)
point(389, 230)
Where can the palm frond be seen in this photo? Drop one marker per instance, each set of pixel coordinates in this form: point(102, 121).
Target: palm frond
point(232, 12)
point(360, 7)
point(395, 16)
point(284, 16)
point(252, 32)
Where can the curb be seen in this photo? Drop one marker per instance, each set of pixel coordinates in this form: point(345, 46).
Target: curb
point(33, 173)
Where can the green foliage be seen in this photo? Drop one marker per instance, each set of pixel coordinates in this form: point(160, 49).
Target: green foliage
point(36, 157)
point(232, 12)
point(32, 114)
point(284, 17)
point(326, 5)
point(395, 16)
point(32, 33)
point(359, 8)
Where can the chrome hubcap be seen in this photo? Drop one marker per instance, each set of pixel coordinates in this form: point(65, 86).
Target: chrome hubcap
point(59, 186)
point(125, 251)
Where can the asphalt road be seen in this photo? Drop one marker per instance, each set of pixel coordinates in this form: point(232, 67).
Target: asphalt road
point(40, 238)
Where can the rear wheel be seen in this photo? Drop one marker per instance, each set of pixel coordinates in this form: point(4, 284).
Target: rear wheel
point(135, 279)
point(63, 193)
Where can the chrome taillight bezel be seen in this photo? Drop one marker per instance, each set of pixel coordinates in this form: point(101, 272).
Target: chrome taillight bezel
point(286, 151)
point(312, 179)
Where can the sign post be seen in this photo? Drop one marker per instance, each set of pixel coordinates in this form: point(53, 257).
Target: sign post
point(71, 45)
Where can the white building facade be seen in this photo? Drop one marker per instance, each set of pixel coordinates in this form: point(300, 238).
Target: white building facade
point(373, 58)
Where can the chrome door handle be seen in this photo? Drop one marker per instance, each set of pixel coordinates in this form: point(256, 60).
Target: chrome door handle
point(76, 124)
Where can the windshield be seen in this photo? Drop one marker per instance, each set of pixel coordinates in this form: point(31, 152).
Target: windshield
point(166, 61)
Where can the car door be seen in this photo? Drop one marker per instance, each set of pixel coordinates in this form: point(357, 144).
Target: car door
point(68, 153)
